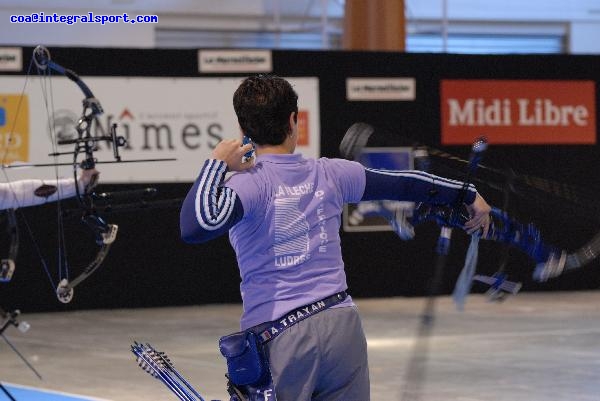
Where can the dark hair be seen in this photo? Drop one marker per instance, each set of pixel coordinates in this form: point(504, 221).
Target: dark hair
point(263, 104)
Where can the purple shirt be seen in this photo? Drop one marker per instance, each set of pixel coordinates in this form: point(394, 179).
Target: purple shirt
point(283, 218)
point(288, 243)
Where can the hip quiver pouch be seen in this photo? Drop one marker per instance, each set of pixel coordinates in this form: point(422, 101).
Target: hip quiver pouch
point(247, 362)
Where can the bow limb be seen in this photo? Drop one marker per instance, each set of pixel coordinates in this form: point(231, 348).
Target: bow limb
point(563, 261)
point(550, 260)
point(8, 264)
point(65, 288)
point(43, 62)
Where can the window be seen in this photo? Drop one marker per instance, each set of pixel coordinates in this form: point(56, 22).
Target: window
point(486, 43)
point(190, 38)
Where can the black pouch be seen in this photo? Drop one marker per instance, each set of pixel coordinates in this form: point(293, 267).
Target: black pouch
point(246, 359)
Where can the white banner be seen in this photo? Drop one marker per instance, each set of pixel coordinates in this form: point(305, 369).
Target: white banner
point(11, 59)
point(220, 61)
point(380, 89)
point(182, 118)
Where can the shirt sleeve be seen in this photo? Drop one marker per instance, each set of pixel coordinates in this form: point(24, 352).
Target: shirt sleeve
point(415, 186)
point(22, 193)
point(350, 178)
point(209, 209)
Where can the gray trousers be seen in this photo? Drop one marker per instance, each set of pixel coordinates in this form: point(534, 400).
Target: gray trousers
point(322, 358)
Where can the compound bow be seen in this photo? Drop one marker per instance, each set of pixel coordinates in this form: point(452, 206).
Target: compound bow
point(85, 144)
point(550, 260)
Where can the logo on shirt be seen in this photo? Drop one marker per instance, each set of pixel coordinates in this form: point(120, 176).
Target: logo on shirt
point(291, 226)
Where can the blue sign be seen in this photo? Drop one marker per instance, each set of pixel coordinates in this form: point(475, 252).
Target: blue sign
point(387, 158)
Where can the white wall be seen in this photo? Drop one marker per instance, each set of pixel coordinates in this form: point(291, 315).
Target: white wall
point(584, 38)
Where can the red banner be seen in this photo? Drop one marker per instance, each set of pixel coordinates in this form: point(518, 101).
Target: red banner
point(303, 133)
point(518, 111)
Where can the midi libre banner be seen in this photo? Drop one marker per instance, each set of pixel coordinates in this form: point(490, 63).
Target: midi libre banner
point(518, 111)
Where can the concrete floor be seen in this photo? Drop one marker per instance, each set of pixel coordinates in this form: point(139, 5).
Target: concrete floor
point(532, 347)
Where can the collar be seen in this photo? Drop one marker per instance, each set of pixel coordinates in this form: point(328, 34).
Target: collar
point(280, 158)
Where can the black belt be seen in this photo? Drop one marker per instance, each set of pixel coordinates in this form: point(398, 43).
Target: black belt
point(269, 330)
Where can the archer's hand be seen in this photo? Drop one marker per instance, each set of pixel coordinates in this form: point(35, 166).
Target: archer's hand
point(479, 213)
point(88, 179)
point(231, 152)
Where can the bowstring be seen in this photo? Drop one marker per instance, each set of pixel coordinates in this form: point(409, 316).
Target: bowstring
point(48, 93)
